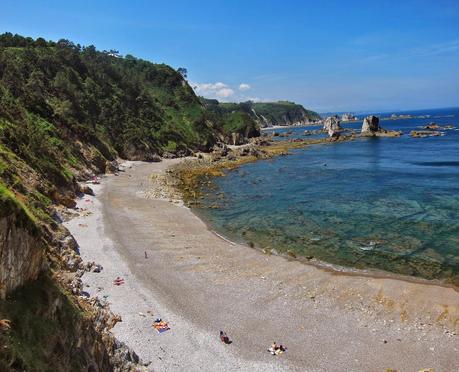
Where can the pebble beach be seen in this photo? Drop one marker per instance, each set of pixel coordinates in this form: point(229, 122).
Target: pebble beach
point(175, 268)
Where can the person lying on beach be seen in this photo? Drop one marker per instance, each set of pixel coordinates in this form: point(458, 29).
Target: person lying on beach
point(225, 339)
point(276, 350)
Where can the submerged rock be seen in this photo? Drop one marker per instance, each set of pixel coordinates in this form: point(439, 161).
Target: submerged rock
point(432, 126)
point(424, 133)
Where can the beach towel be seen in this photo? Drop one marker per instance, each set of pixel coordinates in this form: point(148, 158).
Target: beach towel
point(161, 326)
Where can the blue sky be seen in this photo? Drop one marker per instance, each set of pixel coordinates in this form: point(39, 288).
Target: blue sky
point(327, 55)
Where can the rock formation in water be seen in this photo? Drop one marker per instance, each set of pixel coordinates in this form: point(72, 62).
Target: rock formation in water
point(370, 124)
point(332, 126)
point(425, 133)
point(371, 128)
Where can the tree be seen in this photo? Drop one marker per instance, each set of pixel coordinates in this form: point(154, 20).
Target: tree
point(40, 42)
point(183, 71)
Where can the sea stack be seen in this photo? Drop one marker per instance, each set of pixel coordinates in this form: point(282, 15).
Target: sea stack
point(332, 126)
point(370, 128)
point(370, 124)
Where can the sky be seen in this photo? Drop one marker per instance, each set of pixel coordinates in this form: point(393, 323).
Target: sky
point(328, 55)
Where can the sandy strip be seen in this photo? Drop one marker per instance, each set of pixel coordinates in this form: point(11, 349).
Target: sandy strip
point(201, 284)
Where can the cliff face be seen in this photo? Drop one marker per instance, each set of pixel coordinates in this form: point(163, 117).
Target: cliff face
point(21, 251)
point(46, 327)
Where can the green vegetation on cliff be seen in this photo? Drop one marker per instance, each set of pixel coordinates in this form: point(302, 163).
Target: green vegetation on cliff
point(63, 105)
point(283, 113)
point(48, 331)
point(236, 115)
point(233, 117)
point(9, 204)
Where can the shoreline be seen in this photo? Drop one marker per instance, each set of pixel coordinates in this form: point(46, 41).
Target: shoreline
point(336, 269)
point(214, 169)
point(290, 126)
point(200, 284)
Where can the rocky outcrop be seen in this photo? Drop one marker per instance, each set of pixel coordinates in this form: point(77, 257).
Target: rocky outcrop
point(21, 251)
point(34, 298)
point(370, 124)
point(434, 126)
point(332, 126)
point(237, 139)
point(72, 342)
point(425, 133)
point(371, 128)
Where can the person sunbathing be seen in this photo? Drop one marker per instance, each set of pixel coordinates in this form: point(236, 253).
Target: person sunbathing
point(276, 350)
point(273, 348)
point(224, 338)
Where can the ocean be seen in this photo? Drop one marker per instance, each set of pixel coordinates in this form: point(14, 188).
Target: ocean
point(388, 204)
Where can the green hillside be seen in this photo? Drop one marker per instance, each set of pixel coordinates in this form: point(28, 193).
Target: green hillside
point(283, 113)
point(63, 105)
point(263, 114)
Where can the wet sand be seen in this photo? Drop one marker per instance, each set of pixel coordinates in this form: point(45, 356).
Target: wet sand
point(201, 284)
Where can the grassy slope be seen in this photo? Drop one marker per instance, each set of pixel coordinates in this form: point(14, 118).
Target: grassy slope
point(276, 112)
point(236, 115)
point(63, 106)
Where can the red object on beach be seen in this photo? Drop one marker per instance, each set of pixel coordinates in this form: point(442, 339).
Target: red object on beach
point(161, 326)
point(118, 281)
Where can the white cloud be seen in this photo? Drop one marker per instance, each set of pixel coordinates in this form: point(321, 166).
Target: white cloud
point(224, 92)
point(244, 86)
point(213, 90)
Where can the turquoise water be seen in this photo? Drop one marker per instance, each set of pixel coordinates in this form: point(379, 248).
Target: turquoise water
point(384, 203)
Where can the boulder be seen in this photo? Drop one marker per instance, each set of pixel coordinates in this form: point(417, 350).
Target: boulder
point(169, 155)
point(237, 139)
point(66, 200)
point(220, 149)
point(111, 166)
point(85, 189)
point(154, 158)
point(370, 124)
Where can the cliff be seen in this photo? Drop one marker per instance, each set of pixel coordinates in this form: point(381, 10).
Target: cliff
point(283, 113)
point(21, 248)
point(258, 114)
